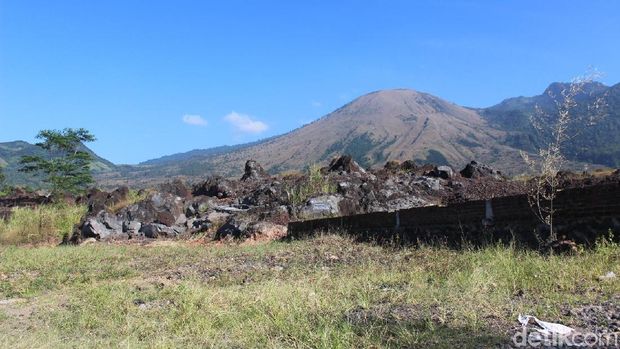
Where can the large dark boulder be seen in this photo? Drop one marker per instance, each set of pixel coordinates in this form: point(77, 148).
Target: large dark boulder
point(156, 230)
point(477, 170)
point(214, 187)
point(176, 187)
point(98, 200)
point(267, 195)
point(444, 172)
point(241, 228)
point(102, 226)
point(408, 165)
point(345, 164)
point(132, 228)
point(253, 171)
point(199, 205)
point(162, 208)
point(234, 228)
point(321, 206)
point(198, 225)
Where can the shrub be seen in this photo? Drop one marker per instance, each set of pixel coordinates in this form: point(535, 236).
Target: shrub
point(315, 184)
point(42, 224)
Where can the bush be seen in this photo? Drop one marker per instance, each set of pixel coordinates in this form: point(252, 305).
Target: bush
point(43, 224)
point(315, 184)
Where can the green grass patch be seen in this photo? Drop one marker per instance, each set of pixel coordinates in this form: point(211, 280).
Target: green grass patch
point(42, 224)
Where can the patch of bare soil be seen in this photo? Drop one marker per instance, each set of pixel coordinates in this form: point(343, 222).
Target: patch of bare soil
point(242, 268)
point(397, 314)
point(598, 318)
point(19, 309)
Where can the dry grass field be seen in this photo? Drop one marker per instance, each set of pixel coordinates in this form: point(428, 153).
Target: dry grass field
point(325, 292)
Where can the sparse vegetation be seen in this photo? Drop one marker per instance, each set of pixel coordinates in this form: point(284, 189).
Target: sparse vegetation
point(327, 292)
point(133, 197)
point(316, 183)
point(42, 224)
point(559, 127)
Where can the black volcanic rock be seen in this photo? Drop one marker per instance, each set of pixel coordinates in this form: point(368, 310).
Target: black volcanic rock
point(346, 164)
point(477, 170)
point(215, 187)
point(253, 171)
point(408, 165)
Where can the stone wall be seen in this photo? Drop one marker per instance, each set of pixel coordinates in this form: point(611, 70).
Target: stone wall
point(583, 215)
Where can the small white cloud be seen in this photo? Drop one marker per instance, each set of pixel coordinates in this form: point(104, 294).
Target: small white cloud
point(317, 104)
point(194, 120)
point(244, 123)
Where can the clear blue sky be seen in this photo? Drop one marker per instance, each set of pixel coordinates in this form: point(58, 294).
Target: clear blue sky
point(150, 78)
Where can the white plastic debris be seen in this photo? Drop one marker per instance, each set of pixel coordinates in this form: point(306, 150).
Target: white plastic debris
point(609, 276)
point(547, 328)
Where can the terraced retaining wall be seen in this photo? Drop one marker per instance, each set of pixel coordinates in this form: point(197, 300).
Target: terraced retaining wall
point(583, 215)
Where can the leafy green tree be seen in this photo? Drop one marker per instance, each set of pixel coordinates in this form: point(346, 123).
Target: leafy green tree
point(67, 168)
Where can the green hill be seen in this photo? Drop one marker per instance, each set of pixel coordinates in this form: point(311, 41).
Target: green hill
point(11, 153)
point(598, 144)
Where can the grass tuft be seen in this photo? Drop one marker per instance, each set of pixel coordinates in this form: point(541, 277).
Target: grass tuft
point(315, 184)
point(42, 224)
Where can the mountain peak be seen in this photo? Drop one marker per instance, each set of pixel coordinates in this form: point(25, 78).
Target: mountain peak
point(591, 87)
point(394, 94)
point(397, 102)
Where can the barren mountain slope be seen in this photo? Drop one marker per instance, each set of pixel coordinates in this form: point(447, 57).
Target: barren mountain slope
point(380, 126)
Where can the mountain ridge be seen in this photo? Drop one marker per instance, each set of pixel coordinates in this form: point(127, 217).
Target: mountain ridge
point(597, 144)
point(395, 124)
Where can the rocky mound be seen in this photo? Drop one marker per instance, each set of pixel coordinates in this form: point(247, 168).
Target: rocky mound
point(21, 198)
point(260, 206)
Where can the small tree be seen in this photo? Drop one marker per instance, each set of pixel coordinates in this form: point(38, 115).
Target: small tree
point(67, 168)
point(564, 122)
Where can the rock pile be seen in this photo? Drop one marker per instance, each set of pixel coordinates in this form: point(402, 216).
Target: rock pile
point(259, 205)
